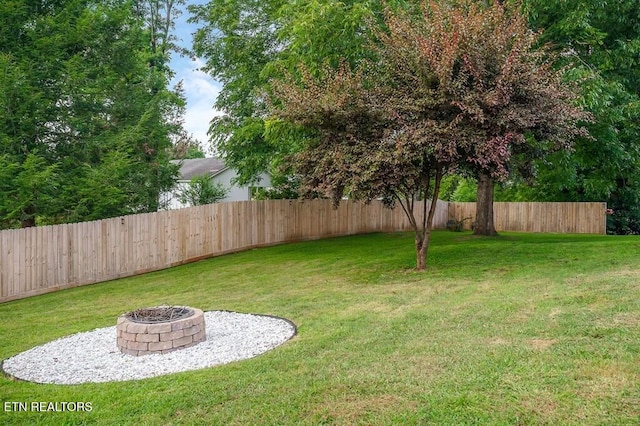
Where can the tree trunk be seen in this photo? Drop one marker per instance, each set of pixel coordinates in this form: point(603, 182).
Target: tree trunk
point(28, 222)
point(28, 219)
point(422, 245)
point(422, 229)
point(484, 207)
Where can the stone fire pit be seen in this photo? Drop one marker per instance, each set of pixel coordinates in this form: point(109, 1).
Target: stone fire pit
point(159, 330)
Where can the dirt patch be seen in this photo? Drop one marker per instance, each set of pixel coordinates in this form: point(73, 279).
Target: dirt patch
point(600, 381)
point(541, 344)
point(498, 341)
point(354, 409)
point(631, 278)
point(542, 405)
point(627, 319)
point(555, 312)
point(629, 273)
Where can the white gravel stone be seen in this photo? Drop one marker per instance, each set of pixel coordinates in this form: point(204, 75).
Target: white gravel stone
point(93, 357)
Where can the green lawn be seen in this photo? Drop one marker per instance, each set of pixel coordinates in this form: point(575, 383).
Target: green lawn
point(518, 329)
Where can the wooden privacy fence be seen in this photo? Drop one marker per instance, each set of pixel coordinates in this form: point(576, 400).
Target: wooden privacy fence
point(567, 218)
point(43, 259)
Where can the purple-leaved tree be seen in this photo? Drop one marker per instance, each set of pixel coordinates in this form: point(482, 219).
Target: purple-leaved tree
point(459, 88)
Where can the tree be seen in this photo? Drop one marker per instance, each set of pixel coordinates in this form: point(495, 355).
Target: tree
point(25, 188)
point(159, 18)
point(238, 38)
point(509, 91)
point(84, 114)
point(202, 190)
point(246, 43)
point(365, 145)
point(461, 87)
point(185, 148)
point(600, 43)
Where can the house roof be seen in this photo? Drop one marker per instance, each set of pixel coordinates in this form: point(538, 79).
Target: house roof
point(194, 167)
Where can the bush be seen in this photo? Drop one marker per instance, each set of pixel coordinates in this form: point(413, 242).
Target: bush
point(202, 190)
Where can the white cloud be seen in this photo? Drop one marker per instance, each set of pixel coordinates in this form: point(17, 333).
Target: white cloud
point(199, 82)
point(201, 92)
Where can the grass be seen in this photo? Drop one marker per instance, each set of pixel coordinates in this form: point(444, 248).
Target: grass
point(520, 329)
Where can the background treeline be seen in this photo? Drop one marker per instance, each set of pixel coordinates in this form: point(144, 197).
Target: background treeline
point(88, 121)
point(247, 44)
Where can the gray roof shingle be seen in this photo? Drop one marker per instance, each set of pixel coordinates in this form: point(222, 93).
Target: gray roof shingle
point(193, 167)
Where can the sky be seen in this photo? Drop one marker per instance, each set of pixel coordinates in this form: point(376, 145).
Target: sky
point(200, 89)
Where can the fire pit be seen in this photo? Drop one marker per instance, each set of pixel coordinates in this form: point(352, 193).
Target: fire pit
point(159, 329)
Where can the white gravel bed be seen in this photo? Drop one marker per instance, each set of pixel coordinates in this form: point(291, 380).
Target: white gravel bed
point(93, 357)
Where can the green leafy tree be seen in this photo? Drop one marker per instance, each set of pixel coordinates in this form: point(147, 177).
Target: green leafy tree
point(246, 43)
point(202, 190)
point(465, 191)
point(238, 38)
point(81, 100)
point(26, 188)
point(600, 42)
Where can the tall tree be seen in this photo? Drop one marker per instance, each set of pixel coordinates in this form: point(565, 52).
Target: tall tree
point(600, 42)
point(511, 92)
point(183, 143)
point(82, 111)
point(458, 87)
point(246, 43)
point(238, 38)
